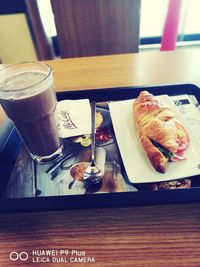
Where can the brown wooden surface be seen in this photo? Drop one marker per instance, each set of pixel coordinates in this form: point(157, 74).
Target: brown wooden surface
point(165, 235)
point(97, 27)
point(124, 70)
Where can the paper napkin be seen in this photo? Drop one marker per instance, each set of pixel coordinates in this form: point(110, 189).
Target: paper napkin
point(74, 117)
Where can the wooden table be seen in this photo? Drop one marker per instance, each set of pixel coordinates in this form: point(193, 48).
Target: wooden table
point(165, 235)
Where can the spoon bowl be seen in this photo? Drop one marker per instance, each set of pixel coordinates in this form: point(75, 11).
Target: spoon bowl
point(92, 175)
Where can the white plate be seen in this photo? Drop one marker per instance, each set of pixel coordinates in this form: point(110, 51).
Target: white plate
point(136, 162)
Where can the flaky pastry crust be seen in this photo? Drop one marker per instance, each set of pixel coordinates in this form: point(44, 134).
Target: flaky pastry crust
point(155, 122)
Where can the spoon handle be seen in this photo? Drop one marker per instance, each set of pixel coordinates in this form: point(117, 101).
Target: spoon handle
point(93, 109)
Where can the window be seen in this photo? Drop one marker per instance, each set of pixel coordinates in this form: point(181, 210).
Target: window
point(153, 15)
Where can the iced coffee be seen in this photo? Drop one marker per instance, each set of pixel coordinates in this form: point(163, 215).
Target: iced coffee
point(28, 98)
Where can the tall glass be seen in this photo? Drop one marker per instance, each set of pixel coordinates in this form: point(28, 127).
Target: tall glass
point(27, 96)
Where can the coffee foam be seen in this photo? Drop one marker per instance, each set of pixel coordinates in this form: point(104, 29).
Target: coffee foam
point(25, 84)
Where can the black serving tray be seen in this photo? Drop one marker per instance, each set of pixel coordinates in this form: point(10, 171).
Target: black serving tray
point(10, 143)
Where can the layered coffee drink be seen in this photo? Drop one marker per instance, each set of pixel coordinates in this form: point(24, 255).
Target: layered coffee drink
point(28, 98)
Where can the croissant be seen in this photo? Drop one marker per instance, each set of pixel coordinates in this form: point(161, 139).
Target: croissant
point(162, 136)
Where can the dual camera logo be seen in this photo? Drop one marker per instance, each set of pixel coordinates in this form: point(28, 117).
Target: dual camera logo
point(14, 256)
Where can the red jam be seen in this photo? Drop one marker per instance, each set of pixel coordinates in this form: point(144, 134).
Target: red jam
point(103, 135)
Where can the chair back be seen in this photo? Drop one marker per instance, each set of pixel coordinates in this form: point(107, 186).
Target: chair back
point(96, 27)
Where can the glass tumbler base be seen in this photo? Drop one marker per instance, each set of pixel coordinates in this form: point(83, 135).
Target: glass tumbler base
point(49, 158)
